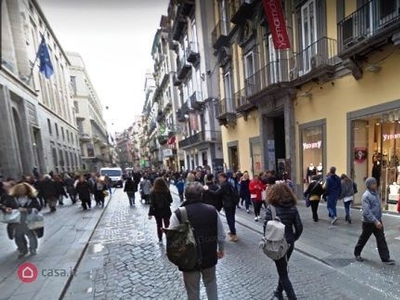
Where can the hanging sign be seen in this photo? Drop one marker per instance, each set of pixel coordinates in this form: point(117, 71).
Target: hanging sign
point(274, 12)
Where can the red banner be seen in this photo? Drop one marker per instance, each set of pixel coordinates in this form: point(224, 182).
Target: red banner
point(274, 12)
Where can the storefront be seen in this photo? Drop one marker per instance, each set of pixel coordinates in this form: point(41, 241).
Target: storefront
point(375, 140)
point(312, 149)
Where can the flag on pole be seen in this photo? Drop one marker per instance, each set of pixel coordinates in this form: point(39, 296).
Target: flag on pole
point(46, 66)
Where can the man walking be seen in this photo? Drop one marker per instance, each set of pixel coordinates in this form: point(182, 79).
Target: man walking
point(226, 193)
point(210, 238)
point(333, 189)
point(372, 223)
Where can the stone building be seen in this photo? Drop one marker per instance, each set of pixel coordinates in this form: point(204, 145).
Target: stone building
point(38, 119)
point(93, 136)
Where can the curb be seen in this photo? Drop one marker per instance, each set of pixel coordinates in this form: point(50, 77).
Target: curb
point(70, 278)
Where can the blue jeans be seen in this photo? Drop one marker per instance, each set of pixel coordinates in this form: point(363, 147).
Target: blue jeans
point(347, 205)
point(284, 281)
point(131, 197)
point(331, 205)
point(230, 219)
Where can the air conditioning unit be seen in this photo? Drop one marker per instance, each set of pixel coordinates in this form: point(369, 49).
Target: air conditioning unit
point(316, 61)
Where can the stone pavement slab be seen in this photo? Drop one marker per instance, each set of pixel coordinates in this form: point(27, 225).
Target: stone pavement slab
point(66, 234)
point(124, 261)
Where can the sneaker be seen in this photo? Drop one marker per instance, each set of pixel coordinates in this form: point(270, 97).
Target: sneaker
point(234, 238)
point(334, 220)
point(248, 211)
point(389, 262)
point(33, 252)
point(256, 219)
point(22, 254)
point(359, 258)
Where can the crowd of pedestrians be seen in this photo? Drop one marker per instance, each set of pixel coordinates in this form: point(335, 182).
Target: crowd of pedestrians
point(204, 196)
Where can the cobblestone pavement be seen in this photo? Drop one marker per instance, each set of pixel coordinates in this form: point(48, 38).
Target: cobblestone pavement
point(124, 261)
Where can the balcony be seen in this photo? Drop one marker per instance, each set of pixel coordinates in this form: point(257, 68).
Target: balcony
point(242, 103)
point(240, 10)
point(160, 116)
point(196, 101)
point(162, 139)
point(372, 25)
point(185, 7)
point(84, 137)
point(226, 113)
point(176, 81)
point(183, 67)
point(220, 35)
point(199, 138)
point(273, 75)
point(316, 62)
point(180, 115)
point(192, 53)
point(177, 27)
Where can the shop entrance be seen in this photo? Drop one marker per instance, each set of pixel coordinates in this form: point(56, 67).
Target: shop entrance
point(280, 144)
point(233, 158)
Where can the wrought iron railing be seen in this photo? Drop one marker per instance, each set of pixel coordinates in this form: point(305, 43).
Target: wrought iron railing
point(202, 136)
point(368, 21)
point(225, 106)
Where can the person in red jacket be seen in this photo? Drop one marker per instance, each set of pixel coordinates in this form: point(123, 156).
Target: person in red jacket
point(256, 187)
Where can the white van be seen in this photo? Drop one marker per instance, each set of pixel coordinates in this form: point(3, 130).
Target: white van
point(115, 174)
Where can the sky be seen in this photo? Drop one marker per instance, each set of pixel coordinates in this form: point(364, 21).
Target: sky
point(114, 38)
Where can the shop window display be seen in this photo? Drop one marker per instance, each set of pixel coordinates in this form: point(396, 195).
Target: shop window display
point(376, 154)
point(312, 144)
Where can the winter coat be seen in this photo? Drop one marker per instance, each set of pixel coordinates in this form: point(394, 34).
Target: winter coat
point(371, 207)
point(347, 189)
point(333, 187)
point(314, 191)
point(130, 186)
point(160, 204)
point(48, 189)
point(60, 189)
point(145, 186)
point(289, 216)
point(211, 198)
point(244, 189)
point(256, 189)
point(83, 190)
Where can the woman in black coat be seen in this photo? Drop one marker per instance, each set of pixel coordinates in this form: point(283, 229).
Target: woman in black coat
point(282, 198)
point(83, 189)
point(160, 205)
point(245, 191)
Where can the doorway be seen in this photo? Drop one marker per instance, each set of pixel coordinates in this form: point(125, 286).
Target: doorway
point(233, 157)
point(280, 143)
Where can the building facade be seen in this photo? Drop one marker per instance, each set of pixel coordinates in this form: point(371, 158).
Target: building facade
point(196, 83)
point(93, 136)
point(38, 118)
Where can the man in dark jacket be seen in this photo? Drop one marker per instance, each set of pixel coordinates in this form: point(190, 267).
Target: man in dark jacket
point(225, 193)
point(333, 189)
point(49, 192)
point(210, 238)
point(210, 198)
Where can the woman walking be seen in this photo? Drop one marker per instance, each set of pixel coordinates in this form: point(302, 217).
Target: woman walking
point(23, 198)
point(145, 189)
point(83, 189)
point(347, 194)
point(284, 201)
point(245, 191)
point(160, 205)
point(314, 192)
point(100, 190)
point(60, 190)
point(130, 189)
point(256, 187)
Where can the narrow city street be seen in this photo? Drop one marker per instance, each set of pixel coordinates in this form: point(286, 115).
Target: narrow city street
point(124, 261)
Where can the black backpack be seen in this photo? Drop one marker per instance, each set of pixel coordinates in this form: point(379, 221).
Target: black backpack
point(181, 244)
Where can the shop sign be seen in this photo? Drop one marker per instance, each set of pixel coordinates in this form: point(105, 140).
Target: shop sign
point(315, 145)
point(360, 154)
point(167, 152)
point(388, 137)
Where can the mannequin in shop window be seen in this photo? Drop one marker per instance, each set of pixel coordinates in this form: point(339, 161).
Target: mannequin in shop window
point(377, 170)
point(311, 171)
point(320, 169)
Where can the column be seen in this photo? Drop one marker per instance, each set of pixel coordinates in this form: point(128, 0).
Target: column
point(267, 138)
point(290, 141)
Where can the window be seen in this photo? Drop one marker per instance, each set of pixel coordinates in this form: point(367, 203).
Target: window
point(56, 129)
point(62, 133)
point(49, 126)
point(73, 83)
point(249, 65)
point(309, 33)
point(67, 135)
point(228, 91)
point(76, 106)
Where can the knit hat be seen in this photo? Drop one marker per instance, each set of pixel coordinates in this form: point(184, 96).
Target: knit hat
point(370, 181)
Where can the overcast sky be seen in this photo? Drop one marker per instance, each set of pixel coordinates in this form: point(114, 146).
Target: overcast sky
point(114, 38)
